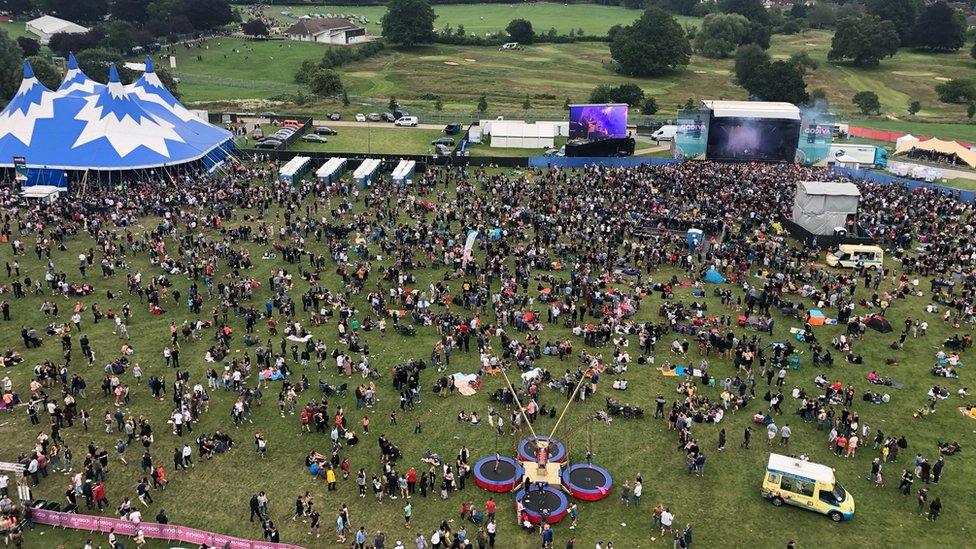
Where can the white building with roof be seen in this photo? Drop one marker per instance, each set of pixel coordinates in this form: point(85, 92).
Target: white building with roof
point(47, 26)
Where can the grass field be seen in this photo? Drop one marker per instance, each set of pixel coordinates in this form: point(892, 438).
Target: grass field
point(15, 29)
point(549, 74)
point(724, 506)
point(481, 19)
point(379, 138)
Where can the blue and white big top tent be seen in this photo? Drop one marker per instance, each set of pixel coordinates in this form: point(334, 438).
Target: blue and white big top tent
point(87, 126)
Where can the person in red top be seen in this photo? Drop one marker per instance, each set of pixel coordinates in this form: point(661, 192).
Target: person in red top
point(98, 493)
point(411, 480)
point(841, 443)
point(490, 509)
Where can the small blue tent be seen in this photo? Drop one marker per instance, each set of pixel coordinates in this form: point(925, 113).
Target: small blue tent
point(713, 276)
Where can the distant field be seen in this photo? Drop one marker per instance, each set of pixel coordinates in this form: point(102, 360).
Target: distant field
point(493, 18)
point(15, 29)
point(550, 74)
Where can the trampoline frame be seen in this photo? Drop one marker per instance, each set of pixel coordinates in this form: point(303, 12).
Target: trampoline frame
point(497, 486)
point(587, 494)
point(555, 515)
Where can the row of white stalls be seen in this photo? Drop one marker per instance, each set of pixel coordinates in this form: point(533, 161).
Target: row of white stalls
point(336, 167)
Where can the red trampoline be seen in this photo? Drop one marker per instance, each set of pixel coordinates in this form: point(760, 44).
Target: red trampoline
point(499, 474)
point(587, 482)
point(536, 503)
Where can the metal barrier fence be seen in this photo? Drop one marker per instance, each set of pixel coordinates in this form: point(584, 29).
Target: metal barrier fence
point(966, 196)
point(168, 532)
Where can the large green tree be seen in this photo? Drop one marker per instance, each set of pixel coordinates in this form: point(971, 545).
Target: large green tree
point(939, 28)
point(865, 40)
point(205, 14)
point(520, 30)
point(45, 71)
point(95, 63)
point(78, 11)
point(778, 81)
point(409, 22)
point(133, 11)
point(748, 59)
point(821, 16)
point(867, 102)
point(720, 34)
point(752, 10)
point(325, 82)
point(652, 45)
point(900, 12)
point(120, 36)
point(11, 71)
point(956, 91)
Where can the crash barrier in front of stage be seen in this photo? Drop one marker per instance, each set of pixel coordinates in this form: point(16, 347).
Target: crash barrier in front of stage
point(582, 161)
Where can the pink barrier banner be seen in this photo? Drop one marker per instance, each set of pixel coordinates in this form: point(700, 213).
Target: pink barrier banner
point(169, 532)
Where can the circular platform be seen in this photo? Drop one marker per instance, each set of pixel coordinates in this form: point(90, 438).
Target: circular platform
point(527, 448)
point(534, 501)
point(499, 474)
point(587, 482)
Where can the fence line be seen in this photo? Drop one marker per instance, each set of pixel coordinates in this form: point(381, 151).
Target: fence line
point(168, 532)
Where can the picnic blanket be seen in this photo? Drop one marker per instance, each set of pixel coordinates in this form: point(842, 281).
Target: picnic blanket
point(463, 382)
point(299, 339)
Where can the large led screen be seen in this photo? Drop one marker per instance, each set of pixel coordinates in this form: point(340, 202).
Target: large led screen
point(597, 121)
point(752, 139)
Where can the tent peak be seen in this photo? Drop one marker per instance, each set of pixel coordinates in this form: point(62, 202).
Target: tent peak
point(28, 70)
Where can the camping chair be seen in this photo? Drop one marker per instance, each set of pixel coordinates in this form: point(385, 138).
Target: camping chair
point(341, 391)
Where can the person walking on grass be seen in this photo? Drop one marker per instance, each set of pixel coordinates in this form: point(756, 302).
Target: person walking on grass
point(771, 431)
point(721, 439)
point(934, 509)
point(746, 435)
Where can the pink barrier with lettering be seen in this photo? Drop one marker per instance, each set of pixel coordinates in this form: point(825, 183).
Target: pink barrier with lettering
point(169, 532)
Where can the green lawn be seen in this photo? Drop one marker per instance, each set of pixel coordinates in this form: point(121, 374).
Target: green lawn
point(16, 29)
point(481, 19)
point(724, 506)
point(380, 138)
point(961, 183)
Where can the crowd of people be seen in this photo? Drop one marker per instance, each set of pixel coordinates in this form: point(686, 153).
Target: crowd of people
point(580, 250)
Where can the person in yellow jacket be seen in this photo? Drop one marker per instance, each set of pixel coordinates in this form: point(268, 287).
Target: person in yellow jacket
point(330, 478)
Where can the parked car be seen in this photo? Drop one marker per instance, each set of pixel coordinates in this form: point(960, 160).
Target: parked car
point(360, 117)
point(291, 124)
point(398, 114)
point(447, 141)
point(388, 117)
point(258, 133)
point(407, 121)
point(442, 150)
point(325, 130)
point(312, 138)
point(268, 114)
point(267, 144)
point(335, 115)
point(452, 129)
point(373, 117)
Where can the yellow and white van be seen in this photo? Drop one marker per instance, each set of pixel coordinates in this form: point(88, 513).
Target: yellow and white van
point(852, 255)
point(808, 485)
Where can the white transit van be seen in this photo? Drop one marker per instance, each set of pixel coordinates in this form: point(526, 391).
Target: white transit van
point(665, 133)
